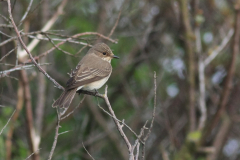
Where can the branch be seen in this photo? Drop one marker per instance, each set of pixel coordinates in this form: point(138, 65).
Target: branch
point(8, 53)
point(228, 81)
point(154, 108)
point(219, 48)
point(7, 122)
point(115, 25)
point(23, 67)
point(87, 151)
point(70, 38)
point(122, 122)
point(191, 62)
point(33, 153)
point(56, 136)
point(119, 127)
point(24, 46)
point(48, 25)
point(153, 115)
point(19, 105)
point(202, 103)
point(220, 138)
point(74, 108)
point(58, 47)
point(26, 13)
point(32, 137)
point(6, 26)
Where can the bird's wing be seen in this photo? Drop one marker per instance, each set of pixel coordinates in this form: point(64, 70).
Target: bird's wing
point(87, 74)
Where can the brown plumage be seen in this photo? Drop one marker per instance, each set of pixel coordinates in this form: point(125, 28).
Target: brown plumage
point(91, 73)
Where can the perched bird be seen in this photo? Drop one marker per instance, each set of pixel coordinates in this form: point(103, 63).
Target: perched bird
point(91, 73)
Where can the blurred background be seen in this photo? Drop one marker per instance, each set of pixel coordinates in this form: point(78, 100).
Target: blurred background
point(191, 44)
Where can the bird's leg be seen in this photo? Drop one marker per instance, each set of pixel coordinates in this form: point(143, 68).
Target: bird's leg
point(96, 92)
point(79, 92)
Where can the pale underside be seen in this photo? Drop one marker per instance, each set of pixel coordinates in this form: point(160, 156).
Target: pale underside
point(94, 85)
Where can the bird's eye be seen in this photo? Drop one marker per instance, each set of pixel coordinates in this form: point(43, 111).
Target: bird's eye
point(104, 53)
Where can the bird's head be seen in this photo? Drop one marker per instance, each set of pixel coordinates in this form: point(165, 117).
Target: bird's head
point(103, 51)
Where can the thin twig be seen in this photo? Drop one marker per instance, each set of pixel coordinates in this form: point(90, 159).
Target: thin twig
point(58, 47)
point(47, 26)
point(123, 124)
point(23, 67)
point(7, 41)
point(154, 108)
point(56, 136)
point(26, 13)
point(153, 115)
point(7, 122)
point(18, 49)
point(5, 18)
point(26, 49)
point(69, 39)
point(136, 144)
point(137, 154)
point(81, 50)
point(6, 26)
point(116, 23)
point(87, 151)
point(228, 83)
point(5, 34)
point(58, 39)
point(74, 108)
point(8, 53)
point(64, 132)
point(33, 153)
point(219, 48)
point(119, 127)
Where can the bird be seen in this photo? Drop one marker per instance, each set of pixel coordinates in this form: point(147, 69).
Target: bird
point(91, 73)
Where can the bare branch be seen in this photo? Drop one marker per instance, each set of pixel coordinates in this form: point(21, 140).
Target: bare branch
point(154, 107)
point(6, 26)
point(8, 53)
point(56, 136)
point(26, 13)
point(202, 103)
point(74, 109)
point(24, 46)
point(7, 41)
point(7, 122)
point(229, 78)
point(33, 153)
point(23, 67)
point(58, 47)
point(87, 151)
point(69, 39)
point(123, 124)
point(5, 34)
point(119, 127)
point(116, 23)
point(219, 48)
point(48, 25)
point(5, 18)
point(190, 60)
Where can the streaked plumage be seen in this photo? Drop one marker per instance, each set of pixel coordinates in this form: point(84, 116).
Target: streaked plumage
point(91, 73)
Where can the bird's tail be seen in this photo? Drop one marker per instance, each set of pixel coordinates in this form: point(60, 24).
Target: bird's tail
point(64, 101)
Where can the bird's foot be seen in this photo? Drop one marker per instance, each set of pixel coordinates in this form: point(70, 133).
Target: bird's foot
point(96, 92)
point(79, 92)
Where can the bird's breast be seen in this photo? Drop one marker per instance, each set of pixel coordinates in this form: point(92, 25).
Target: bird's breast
point(96, 85)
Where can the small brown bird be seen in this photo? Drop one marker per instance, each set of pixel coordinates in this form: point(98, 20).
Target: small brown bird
point(91, 73)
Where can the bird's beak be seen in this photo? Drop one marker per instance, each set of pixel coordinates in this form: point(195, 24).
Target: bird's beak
point(115, 57)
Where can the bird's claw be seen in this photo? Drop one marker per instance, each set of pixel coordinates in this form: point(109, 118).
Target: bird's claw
point(96, 92)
